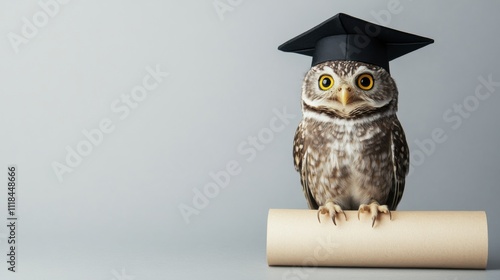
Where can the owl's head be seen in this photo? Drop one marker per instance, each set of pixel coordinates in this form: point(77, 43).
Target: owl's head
point(349, 89)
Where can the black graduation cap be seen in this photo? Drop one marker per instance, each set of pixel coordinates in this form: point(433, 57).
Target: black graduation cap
point(343, 37)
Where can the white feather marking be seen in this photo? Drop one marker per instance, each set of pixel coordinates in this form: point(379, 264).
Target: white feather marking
point(347, 123)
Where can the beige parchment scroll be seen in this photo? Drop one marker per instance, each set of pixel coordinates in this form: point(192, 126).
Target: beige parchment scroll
point(412, 239)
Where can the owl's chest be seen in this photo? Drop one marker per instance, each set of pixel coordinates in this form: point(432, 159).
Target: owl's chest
point(348, 161)
point(347, 141)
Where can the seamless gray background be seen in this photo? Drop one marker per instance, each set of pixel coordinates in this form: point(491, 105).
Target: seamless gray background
point(117, 215)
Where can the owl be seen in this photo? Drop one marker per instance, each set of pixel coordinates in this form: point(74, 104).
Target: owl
point(350, 148)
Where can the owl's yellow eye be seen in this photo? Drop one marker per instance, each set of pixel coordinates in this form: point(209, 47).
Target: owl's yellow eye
point(365, 81)
point(325, 82)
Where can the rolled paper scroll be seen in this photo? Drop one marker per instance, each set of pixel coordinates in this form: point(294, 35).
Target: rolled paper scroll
point(412, 239)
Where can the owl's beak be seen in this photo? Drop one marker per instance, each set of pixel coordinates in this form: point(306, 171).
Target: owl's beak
point(344, 94)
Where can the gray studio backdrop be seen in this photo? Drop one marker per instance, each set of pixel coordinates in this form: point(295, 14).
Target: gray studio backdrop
point(151, 137)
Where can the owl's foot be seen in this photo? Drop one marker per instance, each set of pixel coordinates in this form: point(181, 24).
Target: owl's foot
point(374, 208)
point(332, 210)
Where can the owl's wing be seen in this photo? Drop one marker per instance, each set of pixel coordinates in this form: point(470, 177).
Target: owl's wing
point(400, 161)
point(300, 162)
point(299, 147)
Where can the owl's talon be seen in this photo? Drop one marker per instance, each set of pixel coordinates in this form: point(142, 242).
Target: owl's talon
point(386, 211)
point(332, 210)
point(374, 208)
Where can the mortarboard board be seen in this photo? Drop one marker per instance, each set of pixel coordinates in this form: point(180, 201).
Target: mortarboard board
point(343, 37)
